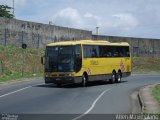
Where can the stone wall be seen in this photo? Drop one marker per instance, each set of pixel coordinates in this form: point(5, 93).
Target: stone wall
point(16, 32)
point(140, 47)
point(37, 35)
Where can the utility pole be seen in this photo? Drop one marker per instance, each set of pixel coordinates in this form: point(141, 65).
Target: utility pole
point(13, 7)
point(97, 30)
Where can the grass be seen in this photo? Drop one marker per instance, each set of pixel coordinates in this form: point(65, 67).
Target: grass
point(156, 93)
point(146, 65)
point(15, 76)
point(14, 61)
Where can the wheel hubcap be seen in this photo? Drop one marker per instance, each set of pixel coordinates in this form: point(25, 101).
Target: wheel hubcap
point(84, 80)
point(113, 78)
point(119, 77)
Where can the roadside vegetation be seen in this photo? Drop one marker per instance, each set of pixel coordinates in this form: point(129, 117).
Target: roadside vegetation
point(17, 63)
point(145, 65)
point(156, 93)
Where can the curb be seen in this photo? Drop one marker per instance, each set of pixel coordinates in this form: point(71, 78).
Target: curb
point(140, 102)
point(145, 101)
point(19, 81)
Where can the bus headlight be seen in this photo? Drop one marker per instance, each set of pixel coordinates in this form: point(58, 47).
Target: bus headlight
point(70, 75)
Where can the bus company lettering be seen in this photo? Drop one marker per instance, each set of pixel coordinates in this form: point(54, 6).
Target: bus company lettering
point(93, 62)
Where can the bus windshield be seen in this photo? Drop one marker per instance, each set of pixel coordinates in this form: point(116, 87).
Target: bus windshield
point(60, 59)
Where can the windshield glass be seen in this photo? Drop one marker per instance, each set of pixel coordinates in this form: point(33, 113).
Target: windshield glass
point(60, 59)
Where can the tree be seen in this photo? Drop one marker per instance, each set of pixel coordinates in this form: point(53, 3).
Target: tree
point(5, 11)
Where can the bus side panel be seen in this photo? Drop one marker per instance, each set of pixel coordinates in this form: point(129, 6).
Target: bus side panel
point(105, 66)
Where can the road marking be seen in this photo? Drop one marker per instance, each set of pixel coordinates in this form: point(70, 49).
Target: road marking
point(13, 83)
point(93, 104)
point(15, 91)
point(18, 90)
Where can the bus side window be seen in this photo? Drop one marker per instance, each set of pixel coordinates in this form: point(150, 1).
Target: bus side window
point(78, 58)
point(94, 53)
point(87, 51)
point(127, 53)
point(124, 51)
point(105, 51)
point(102, 51)
point(109, 54)
point(110, 51)
point(115, 51)
point(78, 50)
point(121, 51)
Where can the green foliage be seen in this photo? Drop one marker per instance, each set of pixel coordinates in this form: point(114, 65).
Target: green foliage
point(5, 11)
point(145, 65)
point(156, 93)
point(19, 63)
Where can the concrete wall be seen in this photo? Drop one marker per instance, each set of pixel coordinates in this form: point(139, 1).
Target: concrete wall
point(140, 47)
point(16, 32)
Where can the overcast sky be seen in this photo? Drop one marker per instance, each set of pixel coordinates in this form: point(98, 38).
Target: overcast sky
point(130, 18)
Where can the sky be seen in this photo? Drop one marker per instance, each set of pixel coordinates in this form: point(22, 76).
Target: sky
point(127, 18)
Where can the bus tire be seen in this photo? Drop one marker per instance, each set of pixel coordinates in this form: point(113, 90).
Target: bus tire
point(119, 77)
point(84, 80)
point(113, 78)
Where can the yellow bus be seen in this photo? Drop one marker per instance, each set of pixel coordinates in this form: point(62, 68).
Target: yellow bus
point(84, 61)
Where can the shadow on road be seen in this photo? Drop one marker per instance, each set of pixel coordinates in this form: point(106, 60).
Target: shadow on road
point(90, 84)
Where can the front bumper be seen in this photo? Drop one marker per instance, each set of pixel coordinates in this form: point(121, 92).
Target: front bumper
point(60, 80)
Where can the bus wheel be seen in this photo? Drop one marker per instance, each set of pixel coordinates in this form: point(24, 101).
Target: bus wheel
point(84, 80)
point(113, 78)
point(119, 77)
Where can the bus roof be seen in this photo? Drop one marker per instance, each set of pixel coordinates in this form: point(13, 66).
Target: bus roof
point(88, 42)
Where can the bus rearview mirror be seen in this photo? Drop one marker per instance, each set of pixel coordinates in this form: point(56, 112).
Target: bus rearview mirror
point(43, 60)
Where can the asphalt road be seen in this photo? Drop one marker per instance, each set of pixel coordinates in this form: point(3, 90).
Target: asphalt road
point(34, 97)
